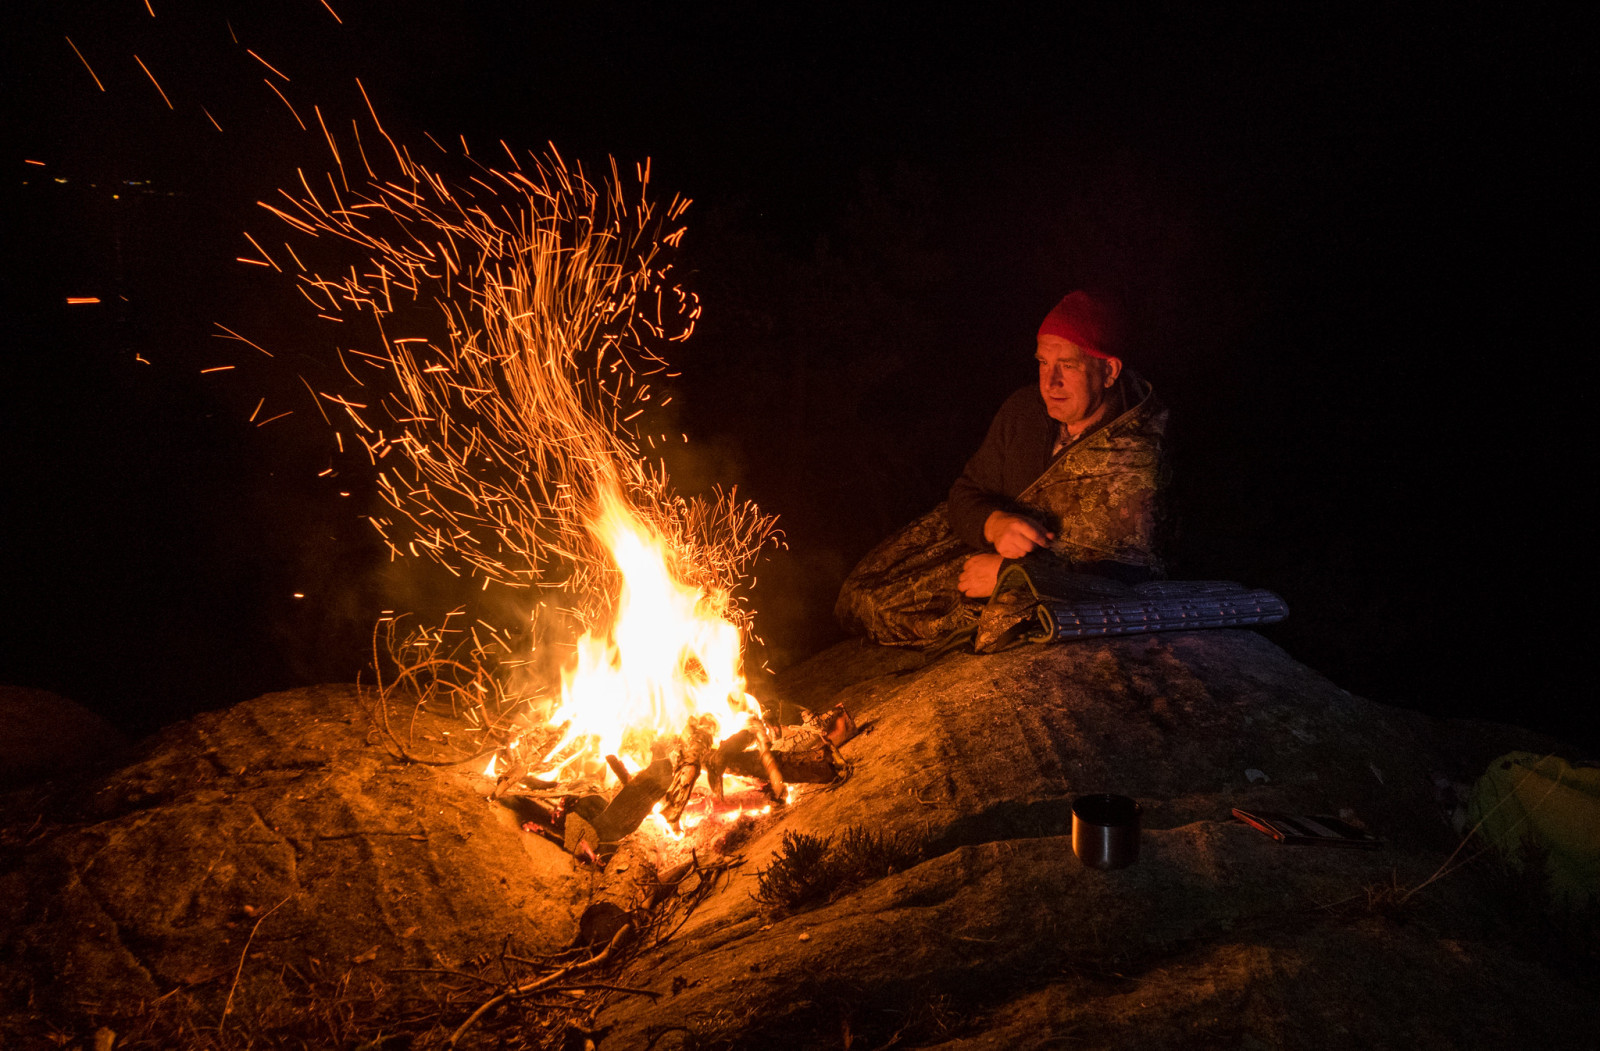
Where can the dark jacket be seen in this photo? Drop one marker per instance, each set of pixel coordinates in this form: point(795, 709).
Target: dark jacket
point(1013, 455)
point(1100, 497)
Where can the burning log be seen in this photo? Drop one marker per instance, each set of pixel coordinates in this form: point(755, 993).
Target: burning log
point(768, 763)
point(717, 761)
point(813, 766)
point(688, 760)
point(510, 777)
point(632, 804)
point(623, 777)
point(835, 727)
point(536, 818)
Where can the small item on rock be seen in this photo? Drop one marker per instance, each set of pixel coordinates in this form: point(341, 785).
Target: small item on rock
point(1105, 830)
point(1319, 831)
point(837, 725)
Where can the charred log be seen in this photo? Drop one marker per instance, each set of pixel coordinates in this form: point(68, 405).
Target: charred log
point(768, 763)
point(632, 803)
point(813, 766)
point(689, 759)
point(717, 761)
point(579, 835)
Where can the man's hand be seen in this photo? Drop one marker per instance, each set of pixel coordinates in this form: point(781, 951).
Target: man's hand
point(978, 575)
point(1013, 535)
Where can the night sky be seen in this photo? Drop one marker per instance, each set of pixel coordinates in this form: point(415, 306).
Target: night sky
point(1348, 238)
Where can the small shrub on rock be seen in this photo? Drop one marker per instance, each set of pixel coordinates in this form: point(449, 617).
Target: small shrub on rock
point(811, 870)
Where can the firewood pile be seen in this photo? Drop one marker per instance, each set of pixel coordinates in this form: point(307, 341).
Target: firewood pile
point(589, 823)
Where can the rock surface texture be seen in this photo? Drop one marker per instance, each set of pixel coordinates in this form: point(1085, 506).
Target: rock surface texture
point(281, 824)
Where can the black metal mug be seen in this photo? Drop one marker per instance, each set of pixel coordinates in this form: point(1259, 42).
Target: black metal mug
point(1105, 830)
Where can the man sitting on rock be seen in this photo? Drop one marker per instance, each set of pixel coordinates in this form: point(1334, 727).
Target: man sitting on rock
point(1069, 472)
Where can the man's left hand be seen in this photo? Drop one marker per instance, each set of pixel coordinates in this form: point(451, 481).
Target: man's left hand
point(979, 574)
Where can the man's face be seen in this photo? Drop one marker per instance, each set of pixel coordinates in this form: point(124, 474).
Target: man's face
point(1073, 383)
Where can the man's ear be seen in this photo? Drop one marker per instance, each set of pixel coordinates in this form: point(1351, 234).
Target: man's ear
point(1113, 370)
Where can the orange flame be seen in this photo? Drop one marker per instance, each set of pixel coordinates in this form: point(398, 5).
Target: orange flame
point(671, 653)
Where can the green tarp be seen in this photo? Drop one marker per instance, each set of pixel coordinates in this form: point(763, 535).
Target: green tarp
point(1552, 806)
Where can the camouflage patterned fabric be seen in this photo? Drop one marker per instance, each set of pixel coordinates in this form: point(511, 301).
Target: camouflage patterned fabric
point(1100, 498)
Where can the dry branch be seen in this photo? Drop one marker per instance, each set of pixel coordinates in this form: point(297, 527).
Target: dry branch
point(539, 984)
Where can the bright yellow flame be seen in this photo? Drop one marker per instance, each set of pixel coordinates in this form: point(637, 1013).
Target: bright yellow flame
point(670, 655)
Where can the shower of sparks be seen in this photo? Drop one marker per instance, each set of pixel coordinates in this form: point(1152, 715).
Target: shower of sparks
point(515, 317)
point(86, 65)
point(269, 65)
point(152, 77)
point(286, 102)
point(231, 334)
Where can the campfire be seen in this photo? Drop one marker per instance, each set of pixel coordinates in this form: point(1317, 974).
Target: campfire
point(661, 696)
point(503, 393)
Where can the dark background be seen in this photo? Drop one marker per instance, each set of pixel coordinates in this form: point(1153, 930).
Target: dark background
point(1351, 241)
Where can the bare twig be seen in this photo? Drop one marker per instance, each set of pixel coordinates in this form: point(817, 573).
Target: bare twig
point(599, 985)
point(228, 1005)
point(540, 984)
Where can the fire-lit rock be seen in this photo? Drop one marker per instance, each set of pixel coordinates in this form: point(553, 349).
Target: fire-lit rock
point(276, 857)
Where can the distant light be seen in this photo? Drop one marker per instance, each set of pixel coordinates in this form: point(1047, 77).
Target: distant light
point(60, 179)
point(299, 594)
point(78, 301)
point(39, 163)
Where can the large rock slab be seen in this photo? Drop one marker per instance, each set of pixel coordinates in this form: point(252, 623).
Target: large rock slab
point(280, 823)
point(277, 854)
point(1216, 937)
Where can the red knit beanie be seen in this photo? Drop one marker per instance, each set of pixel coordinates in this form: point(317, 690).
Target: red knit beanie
point(1089, 322)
